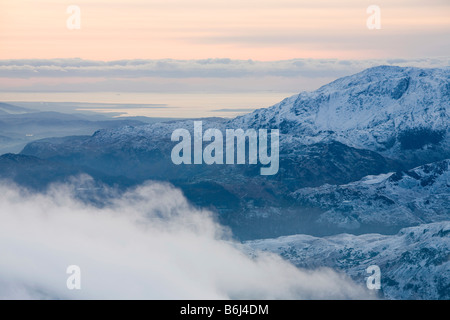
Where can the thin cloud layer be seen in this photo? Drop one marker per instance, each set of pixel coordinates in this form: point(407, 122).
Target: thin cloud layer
point(175, 76)
point(206, 68)
point(147, 243)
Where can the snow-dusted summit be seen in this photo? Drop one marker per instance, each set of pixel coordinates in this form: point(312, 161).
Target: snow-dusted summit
point(383, 108)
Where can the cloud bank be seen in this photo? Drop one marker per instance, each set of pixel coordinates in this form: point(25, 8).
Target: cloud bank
point(178, 76)
point(205, 68)
point(147, 243)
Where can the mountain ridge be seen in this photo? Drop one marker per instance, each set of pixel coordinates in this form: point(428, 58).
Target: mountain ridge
point(381, 109)
point(414, 263)
point(314, 151)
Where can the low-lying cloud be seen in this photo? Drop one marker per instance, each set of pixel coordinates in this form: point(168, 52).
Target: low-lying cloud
point(146, 243)
point(169, 75)
point(204, 68)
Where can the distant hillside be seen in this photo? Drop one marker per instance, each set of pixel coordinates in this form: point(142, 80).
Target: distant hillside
point(11, 109)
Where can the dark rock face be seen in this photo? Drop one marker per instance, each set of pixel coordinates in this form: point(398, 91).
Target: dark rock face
point(419, 137)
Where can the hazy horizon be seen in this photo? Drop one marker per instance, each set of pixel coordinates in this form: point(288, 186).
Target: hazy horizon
point(180, 88)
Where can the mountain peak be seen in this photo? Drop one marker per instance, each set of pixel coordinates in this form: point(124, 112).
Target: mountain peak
point(379, 109)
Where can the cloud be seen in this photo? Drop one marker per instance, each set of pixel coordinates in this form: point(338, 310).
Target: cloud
point(146, 243)
point(205, 68)
point(206, 75)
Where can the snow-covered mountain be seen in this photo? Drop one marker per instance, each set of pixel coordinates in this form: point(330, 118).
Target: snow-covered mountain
point(414, 264)
point(384, 119)
point(399, 112)
point(367, 154)
point(363, 109)
point(387, 109)
point(393, 200)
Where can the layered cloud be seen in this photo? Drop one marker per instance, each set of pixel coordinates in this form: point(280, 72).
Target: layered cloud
point(207, 75)
point(206, 68)
point(147, 243)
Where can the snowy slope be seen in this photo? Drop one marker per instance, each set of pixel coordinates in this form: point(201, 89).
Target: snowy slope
point(415, 263)
point(407, 198)
point(402, 113)
point(380, 109)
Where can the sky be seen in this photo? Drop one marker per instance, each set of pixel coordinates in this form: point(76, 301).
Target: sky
point(262, 30)
point(276, 47)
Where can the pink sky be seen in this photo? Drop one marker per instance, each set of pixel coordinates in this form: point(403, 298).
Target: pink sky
point(236, 29)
